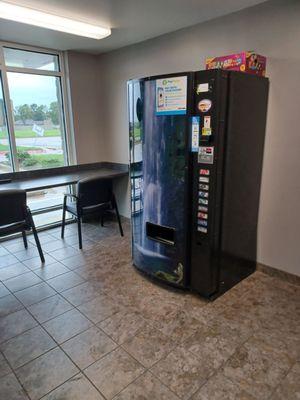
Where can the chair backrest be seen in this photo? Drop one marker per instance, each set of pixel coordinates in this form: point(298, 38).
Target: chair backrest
point(93, 191)
point(12, 206)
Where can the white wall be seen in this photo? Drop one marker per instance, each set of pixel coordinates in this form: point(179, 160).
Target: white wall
point(272, 29)
point(85, 91)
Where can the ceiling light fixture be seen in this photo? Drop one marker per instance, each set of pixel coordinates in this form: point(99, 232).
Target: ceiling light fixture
point(50, 21)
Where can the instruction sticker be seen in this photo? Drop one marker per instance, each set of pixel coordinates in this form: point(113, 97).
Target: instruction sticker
point(203, 201)
point(204, 105)
point(202, 222)
point(202, 88)
point(206, 121)
point(206, 155)
point(206, 131)
point(195, 133)
point(202, 215)
point(171, 96)
point(203, 179)
point(202, 186)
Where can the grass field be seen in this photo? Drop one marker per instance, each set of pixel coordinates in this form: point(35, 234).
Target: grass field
point(28, 133)
point(48, 160)
point(5, 147)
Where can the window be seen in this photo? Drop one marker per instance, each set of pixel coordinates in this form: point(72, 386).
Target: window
point(33, 125)
point(5, 154)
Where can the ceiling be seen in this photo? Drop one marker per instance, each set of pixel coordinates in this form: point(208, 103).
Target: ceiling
point(132, 21)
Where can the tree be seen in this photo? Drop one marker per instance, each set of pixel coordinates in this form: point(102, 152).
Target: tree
point(54, 113)
point(23, 113)
point(39, 113)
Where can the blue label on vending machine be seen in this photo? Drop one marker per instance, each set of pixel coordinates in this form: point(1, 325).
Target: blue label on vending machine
point(195, 129)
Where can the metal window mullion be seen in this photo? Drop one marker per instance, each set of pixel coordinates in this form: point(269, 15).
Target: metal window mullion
point(67, 108)
point(9, 115)
point(36, 49)
point(33, 71)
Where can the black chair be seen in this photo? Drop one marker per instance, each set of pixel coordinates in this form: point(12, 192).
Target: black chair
point(93, 196)
point(16, 217)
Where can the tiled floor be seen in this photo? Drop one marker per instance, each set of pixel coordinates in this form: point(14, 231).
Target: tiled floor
point(87, 326)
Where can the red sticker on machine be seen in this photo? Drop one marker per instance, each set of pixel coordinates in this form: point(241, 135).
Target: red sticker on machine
point(204, 171)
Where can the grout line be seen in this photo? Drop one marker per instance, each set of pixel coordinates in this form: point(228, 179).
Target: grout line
point(118, 346)
point(17, 378)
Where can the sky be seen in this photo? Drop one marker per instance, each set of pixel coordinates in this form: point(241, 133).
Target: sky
point(32, 89)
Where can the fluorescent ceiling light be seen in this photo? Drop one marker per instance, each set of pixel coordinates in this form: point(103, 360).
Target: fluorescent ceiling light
point(50, 21)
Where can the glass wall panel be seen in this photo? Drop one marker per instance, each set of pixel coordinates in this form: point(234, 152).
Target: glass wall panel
point(5, 153)
point(38, 120)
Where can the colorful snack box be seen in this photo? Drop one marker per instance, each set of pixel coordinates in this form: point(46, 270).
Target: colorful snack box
point(246, 61)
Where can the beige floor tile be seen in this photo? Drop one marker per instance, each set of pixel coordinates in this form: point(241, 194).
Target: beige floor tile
point(64, 253)
point(35, 262)
point(76, 261)
point(82, 293)
point(45, 373)
point(77, 388)
point(215, 342)
point(114, 372)
point(49, 308)
point(10, 271)
point(22, 281)
point(4, 367)
point(26, 254)
point(288, 344)
point(9, 304)
point(149, 346)
point(27, 346)
point(10, 389)
point(122, 326)
point(54, 245)
point(67, 325)
point(99, 308)
point(14, 324)
point(50, 271)
point(65, 281)
point(88, 347)
point(257, 368)
point(3, 290)
point(179, 325)
point(35, 294)
point(146, 387)
point(221, 388)
point(6, 260)
point(251, 333)
point(289, 389)
point(182, 372)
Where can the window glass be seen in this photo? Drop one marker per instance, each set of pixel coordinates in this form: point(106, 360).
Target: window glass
point(30, 59)
point(5, 154)
point(49, 218)
point(38, 120)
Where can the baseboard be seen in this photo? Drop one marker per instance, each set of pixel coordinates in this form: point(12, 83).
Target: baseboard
point(286, 276)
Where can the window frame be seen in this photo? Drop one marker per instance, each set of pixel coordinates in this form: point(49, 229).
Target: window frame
point(68, 137)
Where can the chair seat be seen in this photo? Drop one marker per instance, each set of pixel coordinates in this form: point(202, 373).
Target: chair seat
point(14, 228)
point(94, 196)
point(72, 208)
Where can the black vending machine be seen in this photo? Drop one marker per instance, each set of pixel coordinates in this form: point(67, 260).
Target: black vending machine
point(196, 152)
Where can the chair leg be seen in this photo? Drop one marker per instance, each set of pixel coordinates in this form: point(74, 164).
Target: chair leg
point(63, 222)
point(118, 216)
point(36, 238)
point(102, 220)
point(79, 232)
point(25, 239)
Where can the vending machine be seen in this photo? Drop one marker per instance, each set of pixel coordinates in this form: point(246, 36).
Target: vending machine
point(196, 152)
